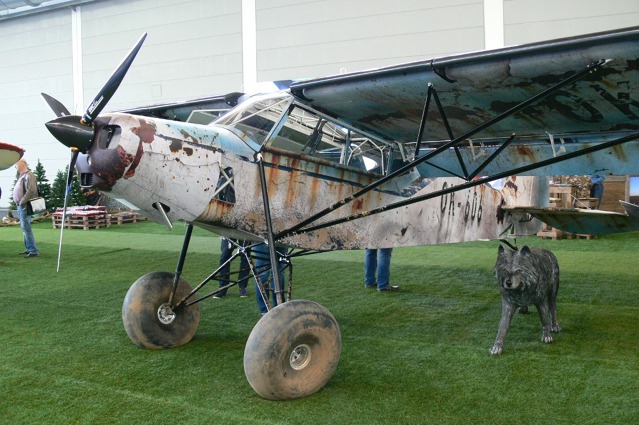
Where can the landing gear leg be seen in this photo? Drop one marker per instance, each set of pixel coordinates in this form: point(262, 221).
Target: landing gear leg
point(277, 283)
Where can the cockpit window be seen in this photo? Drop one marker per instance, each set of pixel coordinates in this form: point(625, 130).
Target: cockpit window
point(304, 132)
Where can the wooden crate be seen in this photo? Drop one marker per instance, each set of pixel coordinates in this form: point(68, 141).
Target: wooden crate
point(616, 188)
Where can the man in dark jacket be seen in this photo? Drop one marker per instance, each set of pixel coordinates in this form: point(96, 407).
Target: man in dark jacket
point(26, 189)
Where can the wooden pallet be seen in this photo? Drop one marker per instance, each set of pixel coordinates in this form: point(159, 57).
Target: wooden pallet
point(126, 217)
point(84, 222)
point(552, 233)
point(588, 237)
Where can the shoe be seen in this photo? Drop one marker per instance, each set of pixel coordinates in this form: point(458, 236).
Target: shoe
point(389, 288)
point(370, 286)
point(243, 293)
point(220, 295)
point(23, 252)
point(31, 255)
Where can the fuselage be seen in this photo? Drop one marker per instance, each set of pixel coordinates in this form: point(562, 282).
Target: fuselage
point(208, 175)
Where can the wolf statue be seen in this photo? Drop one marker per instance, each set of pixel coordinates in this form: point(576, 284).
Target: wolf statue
point(525, 277)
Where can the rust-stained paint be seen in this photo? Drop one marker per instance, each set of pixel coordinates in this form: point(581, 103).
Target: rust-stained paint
point(620, 153)
point(176, 146)
point(145, 131)
point(525, 151)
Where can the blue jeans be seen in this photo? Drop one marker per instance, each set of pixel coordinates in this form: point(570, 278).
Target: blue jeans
point(227, 251)
point(377, 262)
point(25, 225)
point(262, 259)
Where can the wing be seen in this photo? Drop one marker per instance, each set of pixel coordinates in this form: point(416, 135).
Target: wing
point(475, 87)
point(199, 111)
point(512, 111)
point(9, 155)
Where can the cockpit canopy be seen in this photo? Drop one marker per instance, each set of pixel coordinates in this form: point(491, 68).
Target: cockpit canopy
point(278, 121)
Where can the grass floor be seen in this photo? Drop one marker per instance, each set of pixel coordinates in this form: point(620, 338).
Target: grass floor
point(413, 357)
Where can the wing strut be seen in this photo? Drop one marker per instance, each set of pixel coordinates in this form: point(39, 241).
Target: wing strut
point(591, 68)
point(269, 231)
point(473, 183)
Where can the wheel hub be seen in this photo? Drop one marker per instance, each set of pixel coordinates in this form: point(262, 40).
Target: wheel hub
point(300, 357)
point(166, 316)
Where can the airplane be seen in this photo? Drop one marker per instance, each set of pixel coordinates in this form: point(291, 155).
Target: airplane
point(9, 155)
point(444, 150)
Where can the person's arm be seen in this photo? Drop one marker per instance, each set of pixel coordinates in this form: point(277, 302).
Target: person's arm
point(31, 189)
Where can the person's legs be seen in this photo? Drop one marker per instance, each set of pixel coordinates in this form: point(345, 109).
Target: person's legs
point(27, 231)
point(261, 256)
point(262, 259)
point(226, 251)
point(383, 267)
point(370, 268)
point(596, 191)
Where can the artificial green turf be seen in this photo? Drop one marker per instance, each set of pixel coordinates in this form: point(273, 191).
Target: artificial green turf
point(417, 356)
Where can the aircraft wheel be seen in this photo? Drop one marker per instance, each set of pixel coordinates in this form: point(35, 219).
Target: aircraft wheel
point(292, 351)
point(148, 319)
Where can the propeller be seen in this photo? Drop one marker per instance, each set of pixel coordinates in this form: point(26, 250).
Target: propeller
point(104, 95)
point(77, 133)
point(58, 108)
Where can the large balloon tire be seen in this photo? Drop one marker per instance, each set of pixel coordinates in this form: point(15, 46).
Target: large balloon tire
point(292, 351)
point(142, 320)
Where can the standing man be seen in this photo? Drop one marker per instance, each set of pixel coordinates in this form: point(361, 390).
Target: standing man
point(377, 269)
point(26, 188)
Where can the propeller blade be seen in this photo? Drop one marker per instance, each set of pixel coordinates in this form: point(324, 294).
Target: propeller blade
point(74, 157)
point(103, 97)
point(56, 106)
point(71, 133)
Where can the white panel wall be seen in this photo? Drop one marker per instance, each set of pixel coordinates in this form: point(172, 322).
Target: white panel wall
point(35, 56)
point(301, 39)
point(527, 21)
point(193, 49)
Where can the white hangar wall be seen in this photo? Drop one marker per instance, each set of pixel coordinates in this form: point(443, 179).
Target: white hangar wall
point(35, 56)
point(528, 21)
point(302, 39)
point(199, 48)
point(193, 49)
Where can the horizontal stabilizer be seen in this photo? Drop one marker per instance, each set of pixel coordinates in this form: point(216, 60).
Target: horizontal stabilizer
point(584, 221)
point(631, 209)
